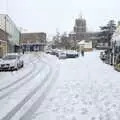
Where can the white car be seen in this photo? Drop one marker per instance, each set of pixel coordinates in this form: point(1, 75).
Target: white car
point(61, 55)
point(11, 61)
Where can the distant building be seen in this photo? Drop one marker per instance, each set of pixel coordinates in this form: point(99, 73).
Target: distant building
point(94, 36)
point(33, 41)
point(85, 45)
point(116, 45)
point(9, 33)
point(80, 32)
point(80, 25)
point(72, 36)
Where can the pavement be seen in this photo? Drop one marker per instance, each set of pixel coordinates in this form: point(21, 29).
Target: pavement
point(86, 89)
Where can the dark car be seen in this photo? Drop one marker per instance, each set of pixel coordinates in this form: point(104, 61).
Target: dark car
point(72, 54)
point(103, 56)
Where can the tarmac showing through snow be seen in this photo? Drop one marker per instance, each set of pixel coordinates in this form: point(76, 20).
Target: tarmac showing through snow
point(83, 88)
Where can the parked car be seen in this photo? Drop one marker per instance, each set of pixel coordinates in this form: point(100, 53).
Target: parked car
point(72, 54)
point(48, 51)
point(58, 52)
point(62, 55)
point(11, 62)
point(103, 56)
point(55, 52)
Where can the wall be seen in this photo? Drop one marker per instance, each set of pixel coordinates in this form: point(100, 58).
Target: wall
point(3, 48)
point(85, 45)
point(33, 41)
point(7, 25)
point(33, 38)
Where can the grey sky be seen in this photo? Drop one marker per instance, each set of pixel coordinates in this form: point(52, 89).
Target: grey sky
point(47, 15)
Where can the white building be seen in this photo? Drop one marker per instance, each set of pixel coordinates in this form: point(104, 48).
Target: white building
point(85, 45)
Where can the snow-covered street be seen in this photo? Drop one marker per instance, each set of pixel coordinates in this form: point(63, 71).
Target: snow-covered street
point(87, 89)
point(46, 88)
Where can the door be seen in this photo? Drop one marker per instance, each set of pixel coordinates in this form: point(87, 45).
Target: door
point(1, 52)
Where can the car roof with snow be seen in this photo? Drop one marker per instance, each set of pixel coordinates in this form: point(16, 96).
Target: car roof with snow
point(12, 54)
point(71, 52)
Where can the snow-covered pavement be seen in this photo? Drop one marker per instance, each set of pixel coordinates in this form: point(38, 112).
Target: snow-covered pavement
point(87, 89)
point(82, 88)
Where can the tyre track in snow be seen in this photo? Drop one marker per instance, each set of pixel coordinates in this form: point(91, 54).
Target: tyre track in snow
point(28, 97)
point(18, 80)
point(26, 80)
point(36, 105)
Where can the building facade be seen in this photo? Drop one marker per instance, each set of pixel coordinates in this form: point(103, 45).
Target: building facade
point(12, 34)
point(85, 45)
point(3, 42)
point(33, 41)
point(79, 30)
point(115, 42)
point(80, 25)
point(80, 33)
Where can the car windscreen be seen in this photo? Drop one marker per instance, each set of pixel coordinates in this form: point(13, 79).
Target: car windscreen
point(10, 57)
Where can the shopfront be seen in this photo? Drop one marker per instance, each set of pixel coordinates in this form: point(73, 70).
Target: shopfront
point(3, 48)
point(33, 47)
point(9, 27)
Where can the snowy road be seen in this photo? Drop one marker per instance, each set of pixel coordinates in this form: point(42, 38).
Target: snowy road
point(16, 95)
point(83, 88)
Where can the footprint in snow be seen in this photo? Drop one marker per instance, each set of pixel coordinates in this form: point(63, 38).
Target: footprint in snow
point(76, 96)
point(114, 105)
point(51, 99)
point(84, 111)
point(106, 103)
point(74, 118)
point(90, 103)
point(93, 118)
point(61, 117)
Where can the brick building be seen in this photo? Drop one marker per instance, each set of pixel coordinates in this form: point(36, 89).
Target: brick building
point(33, 41)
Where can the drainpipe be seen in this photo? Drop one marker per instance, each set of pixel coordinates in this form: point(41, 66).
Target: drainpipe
point(114, 43)
point(5, 37)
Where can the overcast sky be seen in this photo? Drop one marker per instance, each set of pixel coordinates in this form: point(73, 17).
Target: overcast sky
point(47, 15)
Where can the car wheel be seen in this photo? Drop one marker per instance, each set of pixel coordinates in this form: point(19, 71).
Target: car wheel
point(17, 67)
point(22, 65)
